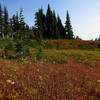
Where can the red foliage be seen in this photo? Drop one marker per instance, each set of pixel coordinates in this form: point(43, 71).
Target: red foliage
point(55, 42)
point(72, 81)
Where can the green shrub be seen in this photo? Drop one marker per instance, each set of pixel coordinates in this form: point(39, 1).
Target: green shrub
point(39, 56)
point(10, 49)
point(58, 45)
point(53, 59)
point(49, 45)
point(85, 46)
point(26, 51)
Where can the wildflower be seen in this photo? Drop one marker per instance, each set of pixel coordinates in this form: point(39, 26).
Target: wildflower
point(40, 77)
point(98, 81)
point(13, 83)
point(10, 82)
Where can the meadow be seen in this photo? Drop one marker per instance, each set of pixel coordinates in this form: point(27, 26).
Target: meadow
point(70, 71)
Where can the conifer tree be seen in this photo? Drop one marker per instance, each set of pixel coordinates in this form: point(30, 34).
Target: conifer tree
point(27, 31)
point(54, 33)
point(21, 25)
point(68, 27)
point(39, 29)
point(14, 23)
point(11, 28)
point(17, 23)
point(43, 20)
point(27, 28)
point(61, 29)
point(39, 23)
point(49, 22)
point(6, 22)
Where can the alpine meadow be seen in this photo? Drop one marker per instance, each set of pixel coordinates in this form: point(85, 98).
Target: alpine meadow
point(47, 60)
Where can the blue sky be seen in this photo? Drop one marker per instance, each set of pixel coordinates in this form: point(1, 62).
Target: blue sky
point(85, 14)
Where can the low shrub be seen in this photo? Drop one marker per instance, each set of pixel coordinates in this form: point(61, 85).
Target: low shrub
point(49, 45)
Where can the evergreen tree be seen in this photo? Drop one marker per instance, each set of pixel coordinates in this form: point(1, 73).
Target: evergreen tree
point(49, 22)
point(61, 29)
point(43, 20)
point(6, 22)
point(27, 31)
point(39, 27)
point(15, 24)
point(21, 25)
point(27, 28)
point(54, 33)
point(11, 28)
point(1, 20)
point(78, 38)
point(68, 27)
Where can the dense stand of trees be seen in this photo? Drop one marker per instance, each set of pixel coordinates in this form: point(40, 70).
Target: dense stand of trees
point(14, 27)
point(47, 26)
point(51, 27)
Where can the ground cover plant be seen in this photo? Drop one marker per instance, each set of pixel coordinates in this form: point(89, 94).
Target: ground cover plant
point(53, 74)
point(40, 81)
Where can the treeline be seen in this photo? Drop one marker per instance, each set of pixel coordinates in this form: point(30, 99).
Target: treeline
point(47, 26)
point(14, 27)
point(51, 27)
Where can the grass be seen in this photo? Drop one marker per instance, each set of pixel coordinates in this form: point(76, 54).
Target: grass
point(87, 57)
point(77, 52)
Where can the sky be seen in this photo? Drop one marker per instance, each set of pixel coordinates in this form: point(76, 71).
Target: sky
point(84, 14)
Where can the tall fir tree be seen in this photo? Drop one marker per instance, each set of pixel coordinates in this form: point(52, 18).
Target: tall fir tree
point(54, 33)
point(14, 23)
point(61, 29)
point(38, 24)
point(39, 27)
point(68, 27)
point(21, 25)
point(49, 22)
point(43, 20)
point(6, 22)
point(27, 31)
point(11, 28)
point(17, 23)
